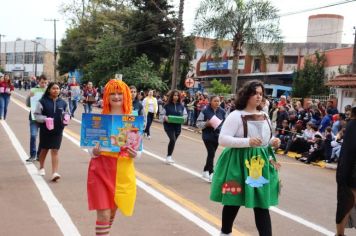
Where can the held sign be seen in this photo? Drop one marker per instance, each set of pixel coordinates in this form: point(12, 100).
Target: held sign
point(189, 83)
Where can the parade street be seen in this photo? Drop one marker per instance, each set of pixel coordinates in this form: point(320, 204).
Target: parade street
point(171, 199)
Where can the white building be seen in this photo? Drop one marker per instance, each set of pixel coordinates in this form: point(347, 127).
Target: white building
point(19, 58)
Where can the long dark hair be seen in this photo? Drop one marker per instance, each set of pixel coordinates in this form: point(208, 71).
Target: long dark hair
point(248, 90)
point(48, 89)
point(171, 95)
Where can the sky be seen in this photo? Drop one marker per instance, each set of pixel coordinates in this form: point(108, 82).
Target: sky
point(25, 19)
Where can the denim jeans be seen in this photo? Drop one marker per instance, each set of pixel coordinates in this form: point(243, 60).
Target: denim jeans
point(73, 103)
point(88, 107)
point(190, 117)
point(4, 103)
point(149, 120)
point(34, 127)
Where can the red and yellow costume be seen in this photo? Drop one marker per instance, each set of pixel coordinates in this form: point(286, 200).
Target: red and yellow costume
point(111, 176)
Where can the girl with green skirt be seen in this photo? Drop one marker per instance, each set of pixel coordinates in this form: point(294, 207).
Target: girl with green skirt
point(246, 172)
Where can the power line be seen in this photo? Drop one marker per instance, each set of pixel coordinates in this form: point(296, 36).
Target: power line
point(317, 8)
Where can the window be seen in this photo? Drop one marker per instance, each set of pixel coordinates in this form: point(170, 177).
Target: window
point(273, 59)
point(19, 58)
point(28, 57)
point(9, 58)
point(39, 57)
point(280, 92)
point(197, 54)
point(256, 65)
point(290, 59)
point(268, 91)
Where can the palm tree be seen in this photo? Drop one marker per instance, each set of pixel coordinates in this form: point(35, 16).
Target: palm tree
point(253, 24)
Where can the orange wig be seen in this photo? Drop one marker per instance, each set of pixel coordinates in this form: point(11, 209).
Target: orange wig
point(117, 86)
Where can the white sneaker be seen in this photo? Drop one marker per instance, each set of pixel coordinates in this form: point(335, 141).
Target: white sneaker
point(55, 177)
point(221, 234)
point(205, 174)
point(149, 137)
point(42, 172)
point(169, 160)
point(211, 178)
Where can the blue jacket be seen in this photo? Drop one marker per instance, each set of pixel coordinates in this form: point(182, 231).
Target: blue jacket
point(325, 122)
point(54, 109)
point(173, 109)
point(209, 133)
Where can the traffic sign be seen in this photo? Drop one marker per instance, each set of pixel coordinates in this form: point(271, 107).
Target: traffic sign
point(189, 83)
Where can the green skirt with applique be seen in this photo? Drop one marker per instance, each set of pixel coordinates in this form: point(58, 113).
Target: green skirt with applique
point(245, 177)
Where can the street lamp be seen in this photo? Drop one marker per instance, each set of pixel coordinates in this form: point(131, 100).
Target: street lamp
point(1, 35)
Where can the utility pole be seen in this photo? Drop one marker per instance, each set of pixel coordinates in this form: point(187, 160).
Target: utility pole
point(353, 69)
point(1, 35)
point(36, 48)
point(177, 46)
point(54, 49)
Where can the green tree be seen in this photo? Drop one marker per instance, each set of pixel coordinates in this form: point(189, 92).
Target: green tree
point(152, 27)
point(253, 24)
point(217, 87)
point(91, 22)
point(142, 75)
point(311, 79)
point(110, 56)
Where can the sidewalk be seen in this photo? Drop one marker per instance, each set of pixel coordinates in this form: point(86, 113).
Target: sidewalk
point(292, 155)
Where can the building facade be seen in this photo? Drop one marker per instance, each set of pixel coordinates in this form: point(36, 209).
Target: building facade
point(275, 69)
point(23, 59)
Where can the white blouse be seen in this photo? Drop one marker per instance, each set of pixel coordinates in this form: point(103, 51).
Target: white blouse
point(232, 131)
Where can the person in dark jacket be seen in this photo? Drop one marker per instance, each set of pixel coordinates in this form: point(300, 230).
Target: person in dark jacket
point(137, 108)
point(173, 107)
point(207, 121)
point(346, 179)
point(51, 106)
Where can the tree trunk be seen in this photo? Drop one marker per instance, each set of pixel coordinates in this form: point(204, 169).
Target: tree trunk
point(235, 70)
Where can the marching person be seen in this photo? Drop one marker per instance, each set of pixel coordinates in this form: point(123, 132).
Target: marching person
point(246, 172)
point(89, 97)
point(346, 178)
point(51, 113)
point(6, 89)
point(136, 103)
point(173, 127)
point(210, 121)
point(34, 126)
point(150, 109)
point(74, 96)
point(111, 176)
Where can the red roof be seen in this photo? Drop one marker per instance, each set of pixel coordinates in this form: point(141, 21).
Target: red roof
point(343, 81)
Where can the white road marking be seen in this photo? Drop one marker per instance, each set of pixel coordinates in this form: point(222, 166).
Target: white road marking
point(178, 208)
point(170, 203)
point(55, 208)
point(211, 230)
point(286, 214)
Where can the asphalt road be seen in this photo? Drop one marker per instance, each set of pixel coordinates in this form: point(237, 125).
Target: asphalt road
point(171, 199)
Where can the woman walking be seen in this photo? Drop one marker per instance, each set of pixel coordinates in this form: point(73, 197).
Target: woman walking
point(6, 88)
point(173, 116)
point(51, 113)
point(150, 108)
point(89, 96)
point(210, 121)
point(246, 172)
point(111, 175)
